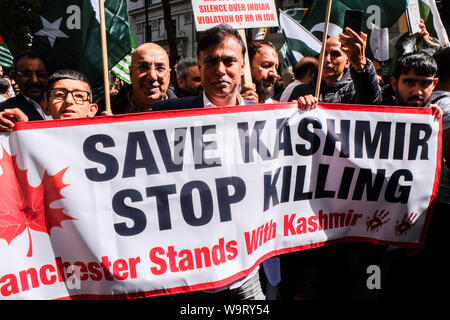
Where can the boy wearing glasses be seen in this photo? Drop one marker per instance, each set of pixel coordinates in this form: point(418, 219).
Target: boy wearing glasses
point(69, 96)
point(31, 76)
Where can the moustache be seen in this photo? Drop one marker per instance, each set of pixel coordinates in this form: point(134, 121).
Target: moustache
point(219, 80)
point(35, 86)
point(413, 98)
point(270, 80)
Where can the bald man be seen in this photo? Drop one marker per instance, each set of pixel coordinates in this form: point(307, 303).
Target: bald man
point(347, 75)
point(150, 79)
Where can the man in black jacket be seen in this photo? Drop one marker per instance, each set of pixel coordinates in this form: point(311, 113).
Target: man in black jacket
point(347, 76)
point(31, 75)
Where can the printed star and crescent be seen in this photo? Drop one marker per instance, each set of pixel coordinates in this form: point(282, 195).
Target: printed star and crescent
point(51, 30)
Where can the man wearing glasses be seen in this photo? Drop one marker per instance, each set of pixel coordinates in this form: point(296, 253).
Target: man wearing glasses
point(31, 75)
point(150, 79)
point(69, 96)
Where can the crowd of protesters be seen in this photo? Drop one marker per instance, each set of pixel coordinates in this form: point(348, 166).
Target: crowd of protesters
point(213, 79)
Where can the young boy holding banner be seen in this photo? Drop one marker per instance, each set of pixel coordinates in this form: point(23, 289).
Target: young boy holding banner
point(58, 103)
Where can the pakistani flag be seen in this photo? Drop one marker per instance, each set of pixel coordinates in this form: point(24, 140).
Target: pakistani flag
point(297, 13)
point(300, 42)
point(6, 58)
point(378, 17)
point(430, 14)
point(70, 36)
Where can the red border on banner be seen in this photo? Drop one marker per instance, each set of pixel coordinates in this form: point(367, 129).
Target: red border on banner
point(152, 115)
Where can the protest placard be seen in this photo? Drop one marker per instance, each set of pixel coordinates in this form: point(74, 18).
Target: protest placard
point(239, 14)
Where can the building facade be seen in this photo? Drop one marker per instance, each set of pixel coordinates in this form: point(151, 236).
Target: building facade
point(183, 20)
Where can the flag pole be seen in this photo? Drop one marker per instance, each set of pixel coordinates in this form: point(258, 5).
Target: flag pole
point(104, 54)
point(247, 72)
point(322, 52)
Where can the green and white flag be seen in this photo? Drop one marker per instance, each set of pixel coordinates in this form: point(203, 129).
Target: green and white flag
point(122, 69)
point(378, 17)
point(70, 36)
point(6, 58)
point(297, 13)
point(300, 42)
point(430, 14)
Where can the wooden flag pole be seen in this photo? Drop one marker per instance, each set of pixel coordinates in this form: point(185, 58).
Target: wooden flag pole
point(322, 52)
point(247, 72)
point(104, 54)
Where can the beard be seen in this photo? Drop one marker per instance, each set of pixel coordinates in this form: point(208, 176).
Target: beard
point(402, 101)
point(263, 92)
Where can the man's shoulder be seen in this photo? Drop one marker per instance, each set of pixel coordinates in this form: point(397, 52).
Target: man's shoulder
point(23, 104)
point(18, 101)
point(442, 98)
point(171, 94)
point(178, 103)
point(300, 90)
point(250, 101)
point(13, 102)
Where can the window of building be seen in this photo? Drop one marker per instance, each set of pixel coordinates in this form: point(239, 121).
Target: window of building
point(174, 24)
point(148, 33)
point(188, 18)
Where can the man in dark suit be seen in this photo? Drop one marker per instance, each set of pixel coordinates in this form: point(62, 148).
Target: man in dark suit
point(31, 75)
point(220, 55)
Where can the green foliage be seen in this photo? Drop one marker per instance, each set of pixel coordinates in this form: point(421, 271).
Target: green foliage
point(19, 20)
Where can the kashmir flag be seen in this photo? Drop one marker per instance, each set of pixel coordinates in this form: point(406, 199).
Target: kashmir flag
point(430, 14)
point(261, 34)
point(300, 42)
point(70, 36)
point(378, 17)
point(122, 69)
point(6, 58)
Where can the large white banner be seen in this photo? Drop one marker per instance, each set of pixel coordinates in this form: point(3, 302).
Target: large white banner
point(168, 202)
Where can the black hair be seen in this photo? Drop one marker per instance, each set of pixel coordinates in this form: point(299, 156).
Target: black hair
point(183, 66)
point(442, 58)
point(420, 63)
point(301, 69)
point(256, 45)
point(68, 74)
point(28, 55)
point(216, 35)
point(4, 85)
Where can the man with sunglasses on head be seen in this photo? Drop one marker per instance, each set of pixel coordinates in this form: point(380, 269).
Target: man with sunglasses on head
point(31, 75)
point(69, 96)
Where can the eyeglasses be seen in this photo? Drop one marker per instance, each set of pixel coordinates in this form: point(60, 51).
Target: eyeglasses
point(79, 96)
point(29, 74)
point(144, 66)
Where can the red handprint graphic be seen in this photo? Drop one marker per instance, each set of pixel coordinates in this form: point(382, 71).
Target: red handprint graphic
point(375, 222)
point(402, 227)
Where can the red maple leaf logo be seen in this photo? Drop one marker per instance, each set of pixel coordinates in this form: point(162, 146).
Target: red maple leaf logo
point(23, 207)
